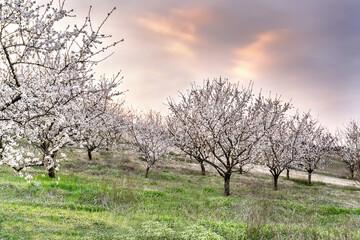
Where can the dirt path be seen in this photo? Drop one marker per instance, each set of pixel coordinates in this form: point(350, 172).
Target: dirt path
point(314, 177)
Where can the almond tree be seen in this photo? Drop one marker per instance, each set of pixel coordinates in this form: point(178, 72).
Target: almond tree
point(316, 143)
point(101, 120)
point(30, 39)
point(51, 132)
point(219, 114)
point(349, 145)
point(66, 116)
point(279, 147)
point(103, 131)
point(184, 130)
point(43, 67)
point(149, 136)
point(276, 149)
point(228, 121)
point(297, 126)
point(47, 114)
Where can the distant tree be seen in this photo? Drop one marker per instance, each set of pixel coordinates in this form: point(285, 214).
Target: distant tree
point(185, 131)
point(227, 120)
point(349, 147)
point(101, 120)
point(297, 126)
point(316, 144)
point(149, 136)
point(279, 147)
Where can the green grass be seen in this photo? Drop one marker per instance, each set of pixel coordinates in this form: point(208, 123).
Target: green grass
point(305, 182)
point(108, 198)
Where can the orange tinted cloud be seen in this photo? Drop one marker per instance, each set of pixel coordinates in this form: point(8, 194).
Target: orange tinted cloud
point(181, 24)
point(257, 55)
point(160, 25)
point(178, 29)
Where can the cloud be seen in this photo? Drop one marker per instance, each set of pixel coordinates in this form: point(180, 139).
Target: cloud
point(253, 58)
point(181, 24)
point(182, 31)
point(180, 48)
point(177, 29)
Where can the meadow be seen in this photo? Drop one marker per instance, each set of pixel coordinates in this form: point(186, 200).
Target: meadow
point(109, 198)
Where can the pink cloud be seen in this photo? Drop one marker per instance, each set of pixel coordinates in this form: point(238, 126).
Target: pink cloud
point(181, 24)
point(253, 58)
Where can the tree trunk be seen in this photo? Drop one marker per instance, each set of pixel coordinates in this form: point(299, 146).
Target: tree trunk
point(276, 177)
point(51, 172)
point(202, 169)
point(288, 173)
point(89, 154)
point(1, 147)
point(352, 173)
point(227, 184)
point(147, 172)
point(241, 171)
point(309, 178)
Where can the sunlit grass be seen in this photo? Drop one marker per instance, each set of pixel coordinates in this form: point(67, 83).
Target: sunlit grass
point(109, 198)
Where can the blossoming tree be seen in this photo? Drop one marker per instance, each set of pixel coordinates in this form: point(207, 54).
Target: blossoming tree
point(316, 144)
point(149, 136)
point(349, 146)
point(44, 69)
point(228, 121)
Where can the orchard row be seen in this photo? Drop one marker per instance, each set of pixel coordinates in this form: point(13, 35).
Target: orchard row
point(50, 99)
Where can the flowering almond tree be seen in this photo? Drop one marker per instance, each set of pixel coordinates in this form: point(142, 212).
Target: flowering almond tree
point(43, 71)
point(69, 116)
point(297, 127)
point(228, 122)
point(316, 143)
point(50, 133)
point(101, 120)
point(279, 146)
point(149, 136)
point(102, 131)
point(349, 145)
point(184, 130)
point(29, 39)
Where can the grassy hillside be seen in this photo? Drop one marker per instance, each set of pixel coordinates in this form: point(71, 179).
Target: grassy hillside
point(108, 198)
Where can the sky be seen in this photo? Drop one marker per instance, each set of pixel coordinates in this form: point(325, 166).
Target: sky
point(306, 51)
